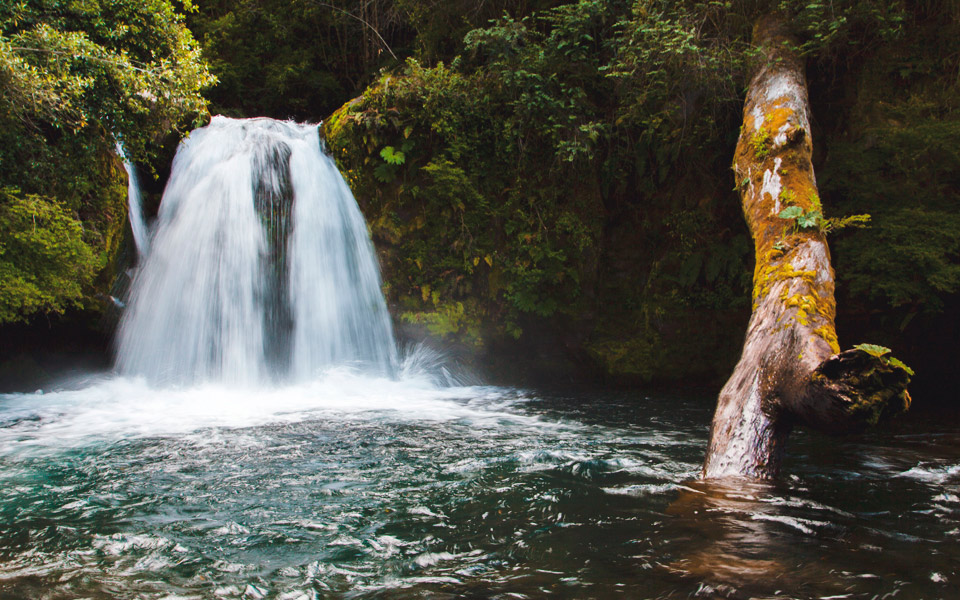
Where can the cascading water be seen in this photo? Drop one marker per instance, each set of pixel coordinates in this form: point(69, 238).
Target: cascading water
point(260, 267)
point(141, 235)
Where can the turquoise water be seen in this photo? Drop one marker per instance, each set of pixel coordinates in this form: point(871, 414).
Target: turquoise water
point(352, 487)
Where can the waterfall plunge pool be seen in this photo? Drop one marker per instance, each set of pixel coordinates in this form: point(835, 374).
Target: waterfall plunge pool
point(361, 487)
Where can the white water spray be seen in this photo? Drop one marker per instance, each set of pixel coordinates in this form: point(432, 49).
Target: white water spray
point(261, 268)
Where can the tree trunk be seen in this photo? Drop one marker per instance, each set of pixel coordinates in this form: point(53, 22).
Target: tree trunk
point(791, 370)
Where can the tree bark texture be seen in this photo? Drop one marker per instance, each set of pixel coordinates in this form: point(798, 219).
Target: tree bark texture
point(791, 369)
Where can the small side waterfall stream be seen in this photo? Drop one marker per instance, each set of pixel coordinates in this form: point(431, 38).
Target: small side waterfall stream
point(141, 234)
point(260, 268)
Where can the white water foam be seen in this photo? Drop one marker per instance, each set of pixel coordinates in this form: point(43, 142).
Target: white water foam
point(930, 473)
point(117, 408)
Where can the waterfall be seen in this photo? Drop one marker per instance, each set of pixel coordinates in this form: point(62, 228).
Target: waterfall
point(260, 269)
point(135, 206)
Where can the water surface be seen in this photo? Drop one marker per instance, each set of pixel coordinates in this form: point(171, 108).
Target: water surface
point(357, 487)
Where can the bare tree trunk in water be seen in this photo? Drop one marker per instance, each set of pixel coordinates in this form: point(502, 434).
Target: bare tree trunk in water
point(791, 370)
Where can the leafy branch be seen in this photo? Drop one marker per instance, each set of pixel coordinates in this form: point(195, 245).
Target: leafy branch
point(814, 219)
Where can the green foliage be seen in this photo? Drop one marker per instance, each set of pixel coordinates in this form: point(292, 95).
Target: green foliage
point(760, 143)
point(829, 28)
point(898, 364)
point(129, 68)
point(910, 258)
point(883, 353)
point(873, 349)
point(901, 162)
point(810, 220)
point(471, 210)
point(44, 261)
point(392, 156)
point(290, 58)
point(813, 219)
point(519, 153)
point(75, 78)
point(450, 320)
point(840, 223)
point(302, 59)
point(441, 26)
point(571, 162)
point(791, 212)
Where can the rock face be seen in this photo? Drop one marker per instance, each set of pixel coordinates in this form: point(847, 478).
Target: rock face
point(791, 370)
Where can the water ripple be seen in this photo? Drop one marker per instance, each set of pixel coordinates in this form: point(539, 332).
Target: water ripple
point(475, 492)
